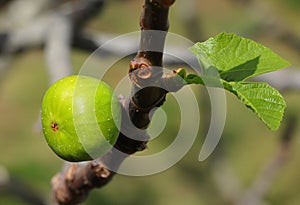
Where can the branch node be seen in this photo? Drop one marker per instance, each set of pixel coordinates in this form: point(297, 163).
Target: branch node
point(99, 170)
point(140, 69)
point(139, 62)
point(144, 72)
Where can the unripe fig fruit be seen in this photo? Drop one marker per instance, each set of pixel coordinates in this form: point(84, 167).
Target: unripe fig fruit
point(80, 118)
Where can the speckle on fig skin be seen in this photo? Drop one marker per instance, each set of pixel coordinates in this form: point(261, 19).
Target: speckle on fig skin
point(54, 126)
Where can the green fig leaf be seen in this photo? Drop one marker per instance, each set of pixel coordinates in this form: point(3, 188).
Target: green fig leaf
point(262, 99)
point(236, 58)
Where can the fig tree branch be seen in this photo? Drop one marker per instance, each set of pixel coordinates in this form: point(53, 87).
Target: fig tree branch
point(73, 184)
point(147, 65)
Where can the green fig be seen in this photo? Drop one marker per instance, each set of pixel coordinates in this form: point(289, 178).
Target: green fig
point(80, 118)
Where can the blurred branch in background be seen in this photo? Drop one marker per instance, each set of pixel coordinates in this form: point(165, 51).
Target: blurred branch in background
point(52, 24)
point(264, 180)
point(11, 185)
point(58, 48)
point(284, 80)
point(59, 25)
point(3, 3)
point(230, 186)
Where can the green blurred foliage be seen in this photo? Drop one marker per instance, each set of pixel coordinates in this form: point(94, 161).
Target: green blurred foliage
point(246, 143)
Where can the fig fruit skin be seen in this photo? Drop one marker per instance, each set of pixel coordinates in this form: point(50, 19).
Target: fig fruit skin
point(80, 118)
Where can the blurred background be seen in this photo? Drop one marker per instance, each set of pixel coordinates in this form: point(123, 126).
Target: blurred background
point(251, 164)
